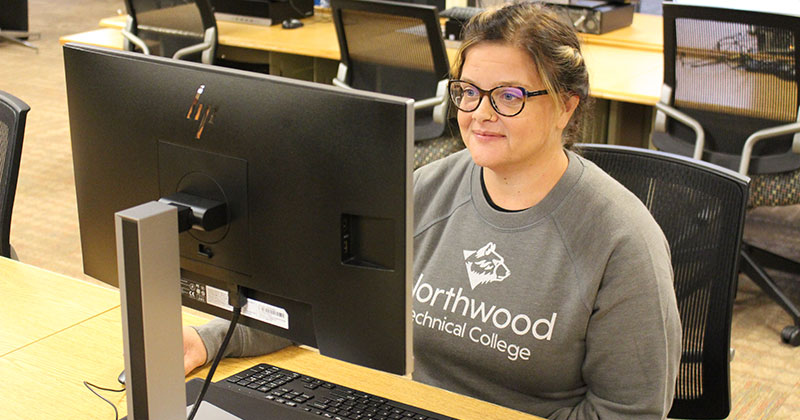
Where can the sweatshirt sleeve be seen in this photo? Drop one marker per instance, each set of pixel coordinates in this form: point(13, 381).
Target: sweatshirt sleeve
point(245, 341)
point(633, 339)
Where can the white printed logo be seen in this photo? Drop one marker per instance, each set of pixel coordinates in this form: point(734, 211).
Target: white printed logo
point(485, 266)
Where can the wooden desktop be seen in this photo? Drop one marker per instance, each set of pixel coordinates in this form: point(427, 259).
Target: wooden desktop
point(36, 296)
point(75, 335)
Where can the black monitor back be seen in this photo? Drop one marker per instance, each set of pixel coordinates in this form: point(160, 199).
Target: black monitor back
point(14, 15)
point(317, 182)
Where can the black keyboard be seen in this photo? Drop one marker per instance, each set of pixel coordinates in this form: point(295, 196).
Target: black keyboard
point(324, 399)
point(462, 13)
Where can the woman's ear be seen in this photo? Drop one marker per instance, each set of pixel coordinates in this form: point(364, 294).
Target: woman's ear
point(570, 105)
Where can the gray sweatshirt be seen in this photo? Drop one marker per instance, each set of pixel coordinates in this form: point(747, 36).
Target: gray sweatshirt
point(565, 310)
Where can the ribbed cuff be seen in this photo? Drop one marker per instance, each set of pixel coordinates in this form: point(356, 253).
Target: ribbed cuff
point(245, 341)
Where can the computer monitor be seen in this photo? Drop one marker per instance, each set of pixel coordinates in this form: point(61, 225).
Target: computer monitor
point(14, 15)
point(316, 180)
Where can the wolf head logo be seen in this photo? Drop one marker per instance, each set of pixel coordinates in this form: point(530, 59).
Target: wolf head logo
point(485, 266)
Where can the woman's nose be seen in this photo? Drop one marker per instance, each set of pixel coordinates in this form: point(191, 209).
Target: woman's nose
point(484, 110)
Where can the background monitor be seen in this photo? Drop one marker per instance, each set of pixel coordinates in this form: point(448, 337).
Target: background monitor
point(14, 15)
point(317, 181)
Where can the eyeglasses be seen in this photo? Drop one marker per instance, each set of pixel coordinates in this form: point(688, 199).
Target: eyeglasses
point(506, 100)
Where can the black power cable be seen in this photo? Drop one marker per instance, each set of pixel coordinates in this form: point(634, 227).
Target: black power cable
point(237, 310)
point(237, 299)
point(91, 387)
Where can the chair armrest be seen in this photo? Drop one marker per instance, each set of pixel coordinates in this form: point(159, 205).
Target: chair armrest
point(796, 144)
point(440, 98)
point(206, 45)
point(438, 102)
point(747, 150)
point(341, 76)
point(440, 111)
point(135, 40)
point(130, 38)
point(429, 102)
point(679, 116)
point(341, 84)
point(191, 50)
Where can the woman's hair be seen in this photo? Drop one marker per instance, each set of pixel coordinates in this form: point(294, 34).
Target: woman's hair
point(551, 43)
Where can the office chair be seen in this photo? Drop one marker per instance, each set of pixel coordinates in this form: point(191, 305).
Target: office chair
point(730, 97)
point(395, 48)
point(700, 208)
point(12, 127)
point(181, 29)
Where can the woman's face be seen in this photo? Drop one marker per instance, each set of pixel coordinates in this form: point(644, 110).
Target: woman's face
point(510, 143)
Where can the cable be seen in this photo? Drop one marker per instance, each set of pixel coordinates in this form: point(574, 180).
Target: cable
point(742, 57)
point(90, 385)
point(236, 298)
point(237, 310)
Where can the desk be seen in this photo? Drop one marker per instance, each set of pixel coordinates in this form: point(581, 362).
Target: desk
point(616, 60)
point(318, 37)
point(646, 33)
point(43, 379)
point(625, 66)
point(37, 304)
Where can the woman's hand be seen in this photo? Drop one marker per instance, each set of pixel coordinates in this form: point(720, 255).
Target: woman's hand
point(194, 351)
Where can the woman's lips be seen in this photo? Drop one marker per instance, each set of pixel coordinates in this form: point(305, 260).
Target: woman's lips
point(486, 135)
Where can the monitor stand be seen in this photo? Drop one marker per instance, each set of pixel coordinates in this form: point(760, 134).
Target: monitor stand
point(19, 37)
point(148, 261)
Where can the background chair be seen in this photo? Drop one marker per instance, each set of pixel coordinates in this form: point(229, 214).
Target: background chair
point(397, 49)
point(700, 207)
point(181, 29)
point(12, 127)
point(730, 96)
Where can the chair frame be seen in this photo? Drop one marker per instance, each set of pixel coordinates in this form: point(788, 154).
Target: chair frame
point(753, 259)
point(208, 47)
point(716, 352)
point(428, 15)
point(13, 111)
point(665, 106)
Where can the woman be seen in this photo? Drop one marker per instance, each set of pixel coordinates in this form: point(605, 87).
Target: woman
point(554, 280)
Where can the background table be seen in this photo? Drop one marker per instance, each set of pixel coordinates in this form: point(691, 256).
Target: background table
point(625, 66)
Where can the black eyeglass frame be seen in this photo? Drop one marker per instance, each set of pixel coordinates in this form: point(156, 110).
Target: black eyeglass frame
point(488, 93)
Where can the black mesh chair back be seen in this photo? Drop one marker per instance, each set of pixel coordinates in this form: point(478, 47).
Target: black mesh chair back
point(12, 128)
point(394, 48)
point(735, 72)
point(700, 207)
point(169, 27)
